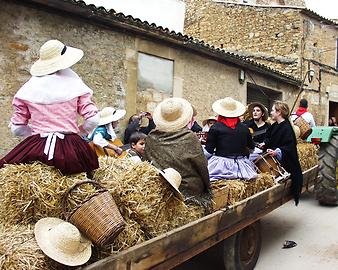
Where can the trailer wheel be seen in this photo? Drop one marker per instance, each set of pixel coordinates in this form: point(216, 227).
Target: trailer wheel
point(326, 187)
point(240, 251)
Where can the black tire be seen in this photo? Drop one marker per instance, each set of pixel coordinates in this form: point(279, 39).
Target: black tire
point(326, 187)
point(240, 251)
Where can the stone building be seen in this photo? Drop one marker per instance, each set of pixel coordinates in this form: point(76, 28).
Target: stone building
point(128, 63)
point(286, 38)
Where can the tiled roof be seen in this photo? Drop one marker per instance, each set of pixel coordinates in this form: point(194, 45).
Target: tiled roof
point(110, 18)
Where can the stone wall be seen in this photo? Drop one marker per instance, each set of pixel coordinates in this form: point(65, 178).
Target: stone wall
point(271, 36)
point(298, 3)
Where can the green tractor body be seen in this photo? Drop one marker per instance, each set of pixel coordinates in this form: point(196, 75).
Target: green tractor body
point(326, 187)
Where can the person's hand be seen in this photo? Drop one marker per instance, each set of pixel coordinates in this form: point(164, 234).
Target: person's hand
point(118, 151)
point(261, 145)
point(149, 116)
point(271, 152)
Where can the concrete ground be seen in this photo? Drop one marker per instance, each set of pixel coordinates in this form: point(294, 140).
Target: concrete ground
point(314, 228)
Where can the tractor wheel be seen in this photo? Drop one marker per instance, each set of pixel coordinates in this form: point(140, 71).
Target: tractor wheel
point(326, 187)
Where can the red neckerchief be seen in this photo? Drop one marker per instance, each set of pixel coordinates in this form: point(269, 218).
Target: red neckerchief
point(300, 111)
point(229, 122)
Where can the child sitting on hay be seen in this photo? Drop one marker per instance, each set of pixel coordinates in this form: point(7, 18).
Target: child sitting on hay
point(137, 143)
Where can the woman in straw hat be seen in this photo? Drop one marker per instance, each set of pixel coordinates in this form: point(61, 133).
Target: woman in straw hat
point(104, 135)
point(51, 101)
point(173, 145)
point(281, 143)
point(228, 143)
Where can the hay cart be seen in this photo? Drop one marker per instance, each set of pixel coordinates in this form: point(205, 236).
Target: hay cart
point(232, 232)
point(326, 187)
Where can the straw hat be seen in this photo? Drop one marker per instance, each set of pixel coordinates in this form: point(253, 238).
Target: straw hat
point(205, 121)
point(228, 107)
point(174, 178)
point(260, 105)
point(62, 241)
point(172, 114)
point(54, 56)
point(109, 114)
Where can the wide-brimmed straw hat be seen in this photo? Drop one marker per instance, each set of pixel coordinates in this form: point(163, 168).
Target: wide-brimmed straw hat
point(109, 114)
point(252, 105)
point(172, 114)
point(228, 107)
point(62, 241)
point(54, 56)
point(205, 121)
point(174, 178)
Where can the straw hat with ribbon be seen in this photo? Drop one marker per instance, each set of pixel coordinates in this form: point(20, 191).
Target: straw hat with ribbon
point(260, 105)
point(172, 114)
point(228, 107)
point(109, 114)
point(174, 178)
point(55, 56)
point(62, 241)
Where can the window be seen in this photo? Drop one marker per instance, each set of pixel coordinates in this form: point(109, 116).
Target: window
point(154, 73)
point(265, 96)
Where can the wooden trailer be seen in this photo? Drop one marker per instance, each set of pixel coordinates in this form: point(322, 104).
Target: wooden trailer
point(232, 232)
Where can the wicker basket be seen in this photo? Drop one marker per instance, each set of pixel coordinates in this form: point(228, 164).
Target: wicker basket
point(98, 217)
point(305, 129)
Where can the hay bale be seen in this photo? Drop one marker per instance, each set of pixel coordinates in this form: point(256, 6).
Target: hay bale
point(130, 236)
point(308, 155)
point(19, 250)
point(262, 182)
point(30, 192)
point(233, 191)
point(144, 197)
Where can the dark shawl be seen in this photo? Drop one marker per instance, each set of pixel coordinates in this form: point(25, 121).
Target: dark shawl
point(283, 137)
point(182, 151)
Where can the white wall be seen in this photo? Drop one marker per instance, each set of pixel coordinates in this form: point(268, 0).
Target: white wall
point(165, 13)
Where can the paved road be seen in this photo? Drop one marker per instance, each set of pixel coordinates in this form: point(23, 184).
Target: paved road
point(314, 228)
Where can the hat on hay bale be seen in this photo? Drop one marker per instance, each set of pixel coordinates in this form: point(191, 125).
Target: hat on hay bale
point(172, 114)
point(55, 56)
point(109, 114)
point(252, 105)
point(62, 241)
point(228, 107)
point(174, 178)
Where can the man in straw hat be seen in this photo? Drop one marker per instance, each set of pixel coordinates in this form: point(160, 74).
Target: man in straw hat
point(104, 135)
point(51, 101)
point(228, 143)
point(173, 145)
point(62, 241)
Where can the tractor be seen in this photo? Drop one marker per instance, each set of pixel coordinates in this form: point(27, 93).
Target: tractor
point(326, 187)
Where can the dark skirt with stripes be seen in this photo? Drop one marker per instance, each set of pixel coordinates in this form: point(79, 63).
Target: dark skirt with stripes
point(71, 155)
